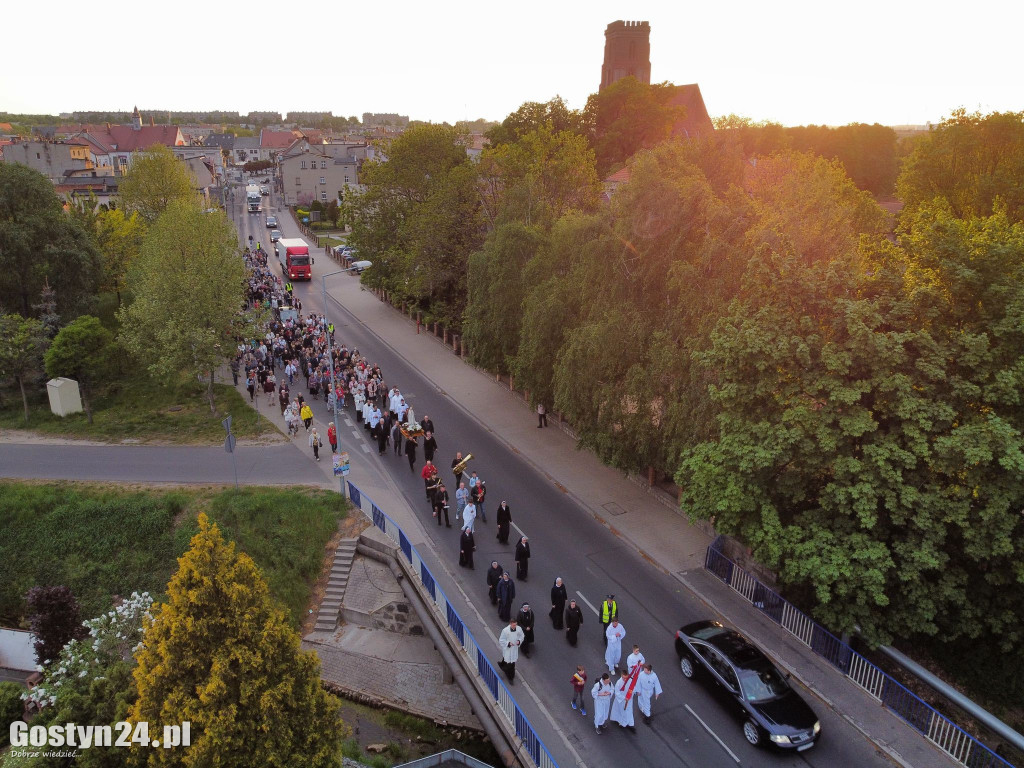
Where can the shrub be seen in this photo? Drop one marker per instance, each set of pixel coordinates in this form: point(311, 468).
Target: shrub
point(11, 709)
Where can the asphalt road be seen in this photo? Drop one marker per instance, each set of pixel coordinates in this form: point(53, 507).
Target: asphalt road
point(690, 726)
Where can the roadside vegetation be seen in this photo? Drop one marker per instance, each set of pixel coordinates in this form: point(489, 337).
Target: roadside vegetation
point(103, 541)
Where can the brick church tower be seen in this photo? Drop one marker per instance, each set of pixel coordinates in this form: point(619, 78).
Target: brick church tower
point(627, 51)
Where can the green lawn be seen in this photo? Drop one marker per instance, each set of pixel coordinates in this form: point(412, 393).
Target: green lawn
point(332, 241)
point(142, 410)
point(101, 541)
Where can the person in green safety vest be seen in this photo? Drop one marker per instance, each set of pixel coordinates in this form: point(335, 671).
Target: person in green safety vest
point(288, 287)
point(609, 611)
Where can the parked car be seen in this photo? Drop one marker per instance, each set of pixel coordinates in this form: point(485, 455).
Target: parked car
point(271, 222)
point(275, 235)
point(771, 711)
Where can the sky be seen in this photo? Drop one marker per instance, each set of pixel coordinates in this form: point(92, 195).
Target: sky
point(895, 62)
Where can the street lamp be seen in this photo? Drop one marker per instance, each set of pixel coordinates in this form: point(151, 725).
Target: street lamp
point(358, 266)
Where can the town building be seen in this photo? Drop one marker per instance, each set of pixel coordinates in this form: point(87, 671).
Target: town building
point(310, 172)
point(54, 159)
point(114, 144)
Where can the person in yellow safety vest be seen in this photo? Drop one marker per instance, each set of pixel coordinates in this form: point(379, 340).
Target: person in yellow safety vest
point(288, 287)
point(609, 611)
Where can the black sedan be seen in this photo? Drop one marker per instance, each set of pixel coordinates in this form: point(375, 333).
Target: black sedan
point(271, 222)
point(772, 712)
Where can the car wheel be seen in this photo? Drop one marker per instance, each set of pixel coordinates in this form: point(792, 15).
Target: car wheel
point(686, 667)
point(753, 734)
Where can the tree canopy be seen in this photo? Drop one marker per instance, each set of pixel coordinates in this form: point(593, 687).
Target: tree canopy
point(220, 654)
point(154, 180)
point(81, 351)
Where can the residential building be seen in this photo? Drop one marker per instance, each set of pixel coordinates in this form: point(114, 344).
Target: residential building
point(17, 655)
point(80, 185)
point(116, 143)
point(53, 159)
point(310, 172)
point(475, 145)
point(247, 149)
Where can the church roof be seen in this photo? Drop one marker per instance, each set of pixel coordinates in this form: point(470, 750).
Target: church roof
point(697, 122)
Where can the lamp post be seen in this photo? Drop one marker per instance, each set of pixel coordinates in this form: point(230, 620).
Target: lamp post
point(357, 266)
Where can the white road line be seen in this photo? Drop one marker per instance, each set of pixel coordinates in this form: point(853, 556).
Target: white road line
point(706, 728)
point(355, 434)
point(349, 421)
point(366, 448)
point(518, 529)
point(589, 604)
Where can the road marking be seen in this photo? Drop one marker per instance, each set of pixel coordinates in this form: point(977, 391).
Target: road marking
point(589, 604)
point(518, 529)
point(355, 434)
point(706, 728)
point(366, 448)
point(349, 421)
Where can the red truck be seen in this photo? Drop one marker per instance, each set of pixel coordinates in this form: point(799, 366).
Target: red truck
point(296, 263)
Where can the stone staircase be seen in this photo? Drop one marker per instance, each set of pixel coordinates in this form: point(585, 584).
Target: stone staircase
point(330, 606)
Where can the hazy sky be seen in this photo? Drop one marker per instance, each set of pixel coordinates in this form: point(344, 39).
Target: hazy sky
point(892, 62)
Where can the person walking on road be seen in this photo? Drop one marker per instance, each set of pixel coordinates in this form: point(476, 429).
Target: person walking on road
point(579, 682)
point(384, 434)
point(283, 396)
point(506, 592)
point(315, 443)
point(647, 685)
point(429, 445)
point(522, 558)
point(602, 693)
point(609, 611)
point(479, 491)
point(234, 371)
point(332, 437)
point(250, 385)
point(461, 500)
point(573, 621)
point(410, 453)
point(613, 653)
point(493, 577)
point(526, 619)
point(635, 660)
point(396, 436)
point(455, 462)
point(428, 473)
point(466, 547)
point(542, 416)
point(558, 598)
point(441, 505)
point(622, 704)
point(306, 414)
point(504, 516)
point(469, 517)
point(509, 640)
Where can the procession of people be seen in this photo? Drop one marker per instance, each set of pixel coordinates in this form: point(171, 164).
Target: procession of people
point(296, 345)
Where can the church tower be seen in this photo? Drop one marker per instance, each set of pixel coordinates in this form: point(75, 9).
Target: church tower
point(627, 51)
point(136, 120)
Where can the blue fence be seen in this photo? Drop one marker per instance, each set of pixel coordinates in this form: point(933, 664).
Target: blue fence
point(478, 655)
point(928, 721)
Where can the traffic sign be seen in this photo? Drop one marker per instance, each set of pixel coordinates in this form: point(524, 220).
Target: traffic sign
point(227, 424)
point(229, 443)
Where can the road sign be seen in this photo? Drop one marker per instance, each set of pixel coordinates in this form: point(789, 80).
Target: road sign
point(229, 443)
point(227, 424)
point(341, 464)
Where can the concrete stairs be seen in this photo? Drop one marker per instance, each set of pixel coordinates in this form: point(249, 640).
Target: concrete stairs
point(330, 607)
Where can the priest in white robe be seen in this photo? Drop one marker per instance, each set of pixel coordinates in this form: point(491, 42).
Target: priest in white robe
point(603, 693)
point(634, 660)
point(622, 707)
point(647, 686)
point(613, 652)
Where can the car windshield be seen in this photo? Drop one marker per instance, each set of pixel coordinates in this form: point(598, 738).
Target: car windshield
point(300, 261)
point(705, 632)
point(762, 684)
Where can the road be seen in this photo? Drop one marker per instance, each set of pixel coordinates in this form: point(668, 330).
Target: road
point(690, 726)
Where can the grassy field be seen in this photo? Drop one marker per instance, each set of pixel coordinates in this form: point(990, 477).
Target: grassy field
point(101, 541)
point(144, 411)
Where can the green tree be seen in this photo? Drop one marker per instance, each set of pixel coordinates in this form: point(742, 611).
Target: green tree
point(189, 289)
point(21, 354)
point(40, 244)
point(81, 351)
point(220, 654)
point(629, 116)
point(534, 115)
point(11, 708)
point(970, 161)
point(120, 238)
point(154, 180)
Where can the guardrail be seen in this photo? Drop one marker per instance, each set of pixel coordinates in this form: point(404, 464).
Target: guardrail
point(448, 616)
point(921, 716)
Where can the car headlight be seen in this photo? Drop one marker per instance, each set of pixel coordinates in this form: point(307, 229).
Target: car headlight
point(817, 727)
point(779, 738)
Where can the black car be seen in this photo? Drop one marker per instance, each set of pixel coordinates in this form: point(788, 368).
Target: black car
point(271, 222)
point(772, 712)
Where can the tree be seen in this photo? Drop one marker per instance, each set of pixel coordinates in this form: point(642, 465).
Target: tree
point(81, 351)
point(55, 620)
point(533, 115)
point(40, 244)
point(11, 708)
point(970, 161)
point(220, 654)
point(120, 239)
point(189, 288)
point(629, 116)
point(21, 354)
point(154, 180)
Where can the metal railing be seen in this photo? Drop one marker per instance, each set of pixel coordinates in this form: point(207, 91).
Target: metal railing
point(447, 616)
point(925, 719)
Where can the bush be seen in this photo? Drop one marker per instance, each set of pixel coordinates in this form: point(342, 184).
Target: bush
point(11, 709)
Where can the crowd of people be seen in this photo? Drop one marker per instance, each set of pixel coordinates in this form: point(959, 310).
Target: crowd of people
point(297, 347)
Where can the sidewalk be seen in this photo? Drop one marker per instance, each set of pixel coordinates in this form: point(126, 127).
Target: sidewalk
point(661, 535)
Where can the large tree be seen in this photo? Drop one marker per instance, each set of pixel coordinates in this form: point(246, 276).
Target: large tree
point(970, 161)
point(220, 654)
point(120, 238)
point(21, 353)
point(40, 243)
point(154, 180)
point(189, 288)
point(55, 620)
point(81, 351)
point(534, 115)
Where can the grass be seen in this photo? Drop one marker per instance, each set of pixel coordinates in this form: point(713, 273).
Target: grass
point(101, 541)
point(332, 241)
point(143, 410)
